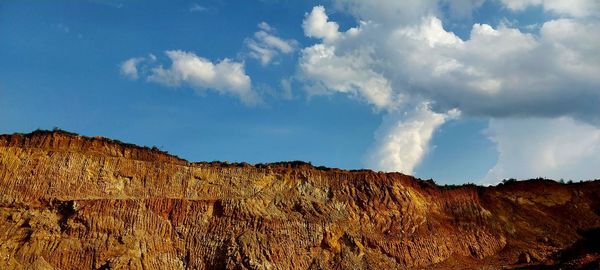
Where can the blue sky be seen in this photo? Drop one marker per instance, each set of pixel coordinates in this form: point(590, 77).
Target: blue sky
point(433, 88)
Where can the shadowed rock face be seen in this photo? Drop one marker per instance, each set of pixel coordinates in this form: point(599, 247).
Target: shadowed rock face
point(72, 202)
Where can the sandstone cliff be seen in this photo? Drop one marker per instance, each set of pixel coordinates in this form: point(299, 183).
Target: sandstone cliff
point(73, 202)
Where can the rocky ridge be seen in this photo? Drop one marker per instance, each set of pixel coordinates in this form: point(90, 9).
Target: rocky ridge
point(74, 202)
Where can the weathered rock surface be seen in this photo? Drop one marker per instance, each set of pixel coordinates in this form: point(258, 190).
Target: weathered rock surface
point(73, 202)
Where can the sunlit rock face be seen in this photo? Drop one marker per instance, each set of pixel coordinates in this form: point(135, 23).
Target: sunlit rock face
point(73, 202)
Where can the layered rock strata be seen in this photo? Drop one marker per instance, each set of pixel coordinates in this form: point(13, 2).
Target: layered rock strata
point(74, 202)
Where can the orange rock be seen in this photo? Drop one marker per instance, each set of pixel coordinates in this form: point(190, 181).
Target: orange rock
point(73, 202)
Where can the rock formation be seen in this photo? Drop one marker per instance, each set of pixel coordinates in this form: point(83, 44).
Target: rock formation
point(74, 202)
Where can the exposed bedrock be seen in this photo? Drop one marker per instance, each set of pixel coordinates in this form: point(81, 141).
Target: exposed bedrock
point(73, 202)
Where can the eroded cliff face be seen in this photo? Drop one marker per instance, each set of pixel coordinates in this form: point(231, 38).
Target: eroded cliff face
point(72, 202)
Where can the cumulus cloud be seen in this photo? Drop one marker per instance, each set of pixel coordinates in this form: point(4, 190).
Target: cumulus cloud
point(400, 54)
point(499, 72)
point(317, 25)
point(350, 73)
point(544, 147)
point(403, 139)
point(346, 74)
point(129, 68)
point(265, 45)
point(225, 76)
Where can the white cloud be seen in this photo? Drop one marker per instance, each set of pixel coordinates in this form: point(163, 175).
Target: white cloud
point(266, 27)
point(393, 61)
point(432, 32)
point(541, 147)
point(576, 8)
point(317, 25)
point(498, 72)
point(346, 74)
point(271, 41)
point(265, 55)
point(403, 139)
point(225, 76)
point(265, 46)
point(129, 67)
point(350, 73)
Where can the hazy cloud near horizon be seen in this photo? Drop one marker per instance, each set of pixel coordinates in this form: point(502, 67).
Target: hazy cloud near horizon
point(558, 148)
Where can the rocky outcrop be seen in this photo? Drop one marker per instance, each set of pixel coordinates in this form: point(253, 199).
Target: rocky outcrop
point(73, 202)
